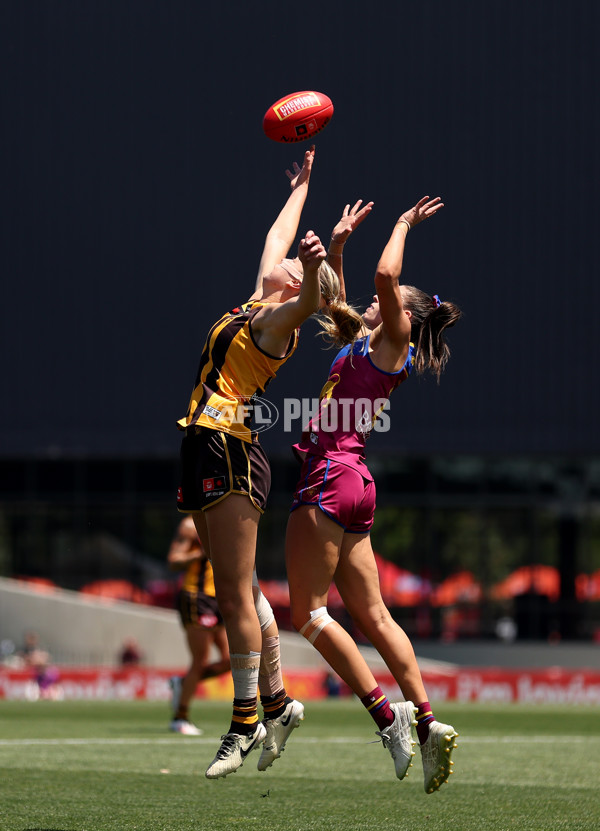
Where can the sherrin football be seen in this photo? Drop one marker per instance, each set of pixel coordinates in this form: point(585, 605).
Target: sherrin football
point(298, 116)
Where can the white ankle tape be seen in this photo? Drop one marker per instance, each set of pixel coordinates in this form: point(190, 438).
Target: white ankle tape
point(318, 621)
point(244, 671)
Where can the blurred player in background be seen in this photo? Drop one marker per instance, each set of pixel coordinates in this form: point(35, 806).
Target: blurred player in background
point(201, 620)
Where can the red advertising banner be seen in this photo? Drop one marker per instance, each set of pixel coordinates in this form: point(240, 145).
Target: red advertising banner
point(497, 686)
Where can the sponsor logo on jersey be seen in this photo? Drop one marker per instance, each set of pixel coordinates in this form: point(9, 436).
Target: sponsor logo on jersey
point(211, 412)
point(211, 485)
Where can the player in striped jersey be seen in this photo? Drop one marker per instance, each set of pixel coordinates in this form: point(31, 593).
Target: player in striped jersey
point(201, 620)
point(226, 475)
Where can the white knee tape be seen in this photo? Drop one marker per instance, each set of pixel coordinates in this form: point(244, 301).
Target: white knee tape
point(317, 622)
point(262, 605)
point(264, 611)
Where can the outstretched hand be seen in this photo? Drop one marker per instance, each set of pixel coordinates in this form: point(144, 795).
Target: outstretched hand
point(301, 174)
point(424, 208)
point(311, 251)
point(350, 219)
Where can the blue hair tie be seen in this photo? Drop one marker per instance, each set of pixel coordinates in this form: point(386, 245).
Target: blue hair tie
point(436, 300)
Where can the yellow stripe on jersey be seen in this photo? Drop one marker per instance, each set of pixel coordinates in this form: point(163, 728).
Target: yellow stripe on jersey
point(209, 580)
point(198, 391)
point(191, 578)
point(232, 370)
point(199, 577)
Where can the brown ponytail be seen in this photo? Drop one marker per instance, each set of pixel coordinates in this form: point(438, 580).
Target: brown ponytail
point(430, 318)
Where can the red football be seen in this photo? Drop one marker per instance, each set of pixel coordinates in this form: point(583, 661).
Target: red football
point(298, 116)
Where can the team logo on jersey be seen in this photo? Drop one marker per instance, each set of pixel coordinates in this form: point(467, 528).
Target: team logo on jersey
point(364, 425)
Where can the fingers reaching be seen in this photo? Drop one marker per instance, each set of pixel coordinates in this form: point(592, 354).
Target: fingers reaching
point(360, 213)
point(301, 174)
point(431, 206)
point(424, 208)
point(350, 219)
point(289, 173)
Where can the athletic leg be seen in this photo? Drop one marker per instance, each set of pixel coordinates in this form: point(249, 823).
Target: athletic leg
point(219, 639)
point(229, 530)
point(357, 581)
point(198, 640)
point(281, 713)
point(313, 547)
point(313, 543)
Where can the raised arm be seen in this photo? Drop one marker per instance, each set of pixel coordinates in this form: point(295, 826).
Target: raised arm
point(395, 324)
point(350, 219)
point(283, 232)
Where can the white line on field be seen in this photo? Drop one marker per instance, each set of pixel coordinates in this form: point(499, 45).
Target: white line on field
point(550, 739)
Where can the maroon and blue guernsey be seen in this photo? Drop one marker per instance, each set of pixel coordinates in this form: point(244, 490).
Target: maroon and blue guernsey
point(352, 399)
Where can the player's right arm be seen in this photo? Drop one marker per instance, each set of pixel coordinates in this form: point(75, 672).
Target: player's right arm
point(282, 233)
point(276, 321)
point(350, 219)
point(395, 322)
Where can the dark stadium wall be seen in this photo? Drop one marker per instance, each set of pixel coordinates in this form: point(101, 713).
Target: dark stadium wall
point(138, 186)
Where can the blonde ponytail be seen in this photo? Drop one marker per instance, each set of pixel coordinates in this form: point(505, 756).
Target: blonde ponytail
point(340, 322)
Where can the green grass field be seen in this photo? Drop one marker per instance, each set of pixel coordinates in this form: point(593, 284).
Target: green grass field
point(70, 766)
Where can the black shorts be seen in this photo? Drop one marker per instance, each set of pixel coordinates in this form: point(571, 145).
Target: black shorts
point(198, 609)
point(215, 464)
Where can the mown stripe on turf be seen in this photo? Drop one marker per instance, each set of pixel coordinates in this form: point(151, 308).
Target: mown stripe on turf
point(299, 739)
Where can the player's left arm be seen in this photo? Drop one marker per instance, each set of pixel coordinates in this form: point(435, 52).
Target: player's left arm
point(395, 322)
point(283, 232)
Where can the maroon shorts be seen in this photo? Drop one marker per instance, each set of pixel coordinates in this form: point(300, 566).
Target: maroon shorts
point(341, 492)
point(215, 464)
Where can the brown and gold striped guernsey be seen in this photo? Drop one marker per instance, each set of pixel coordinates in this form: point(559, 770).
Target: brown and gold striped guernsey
point(232, 369)
point(199, 577)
